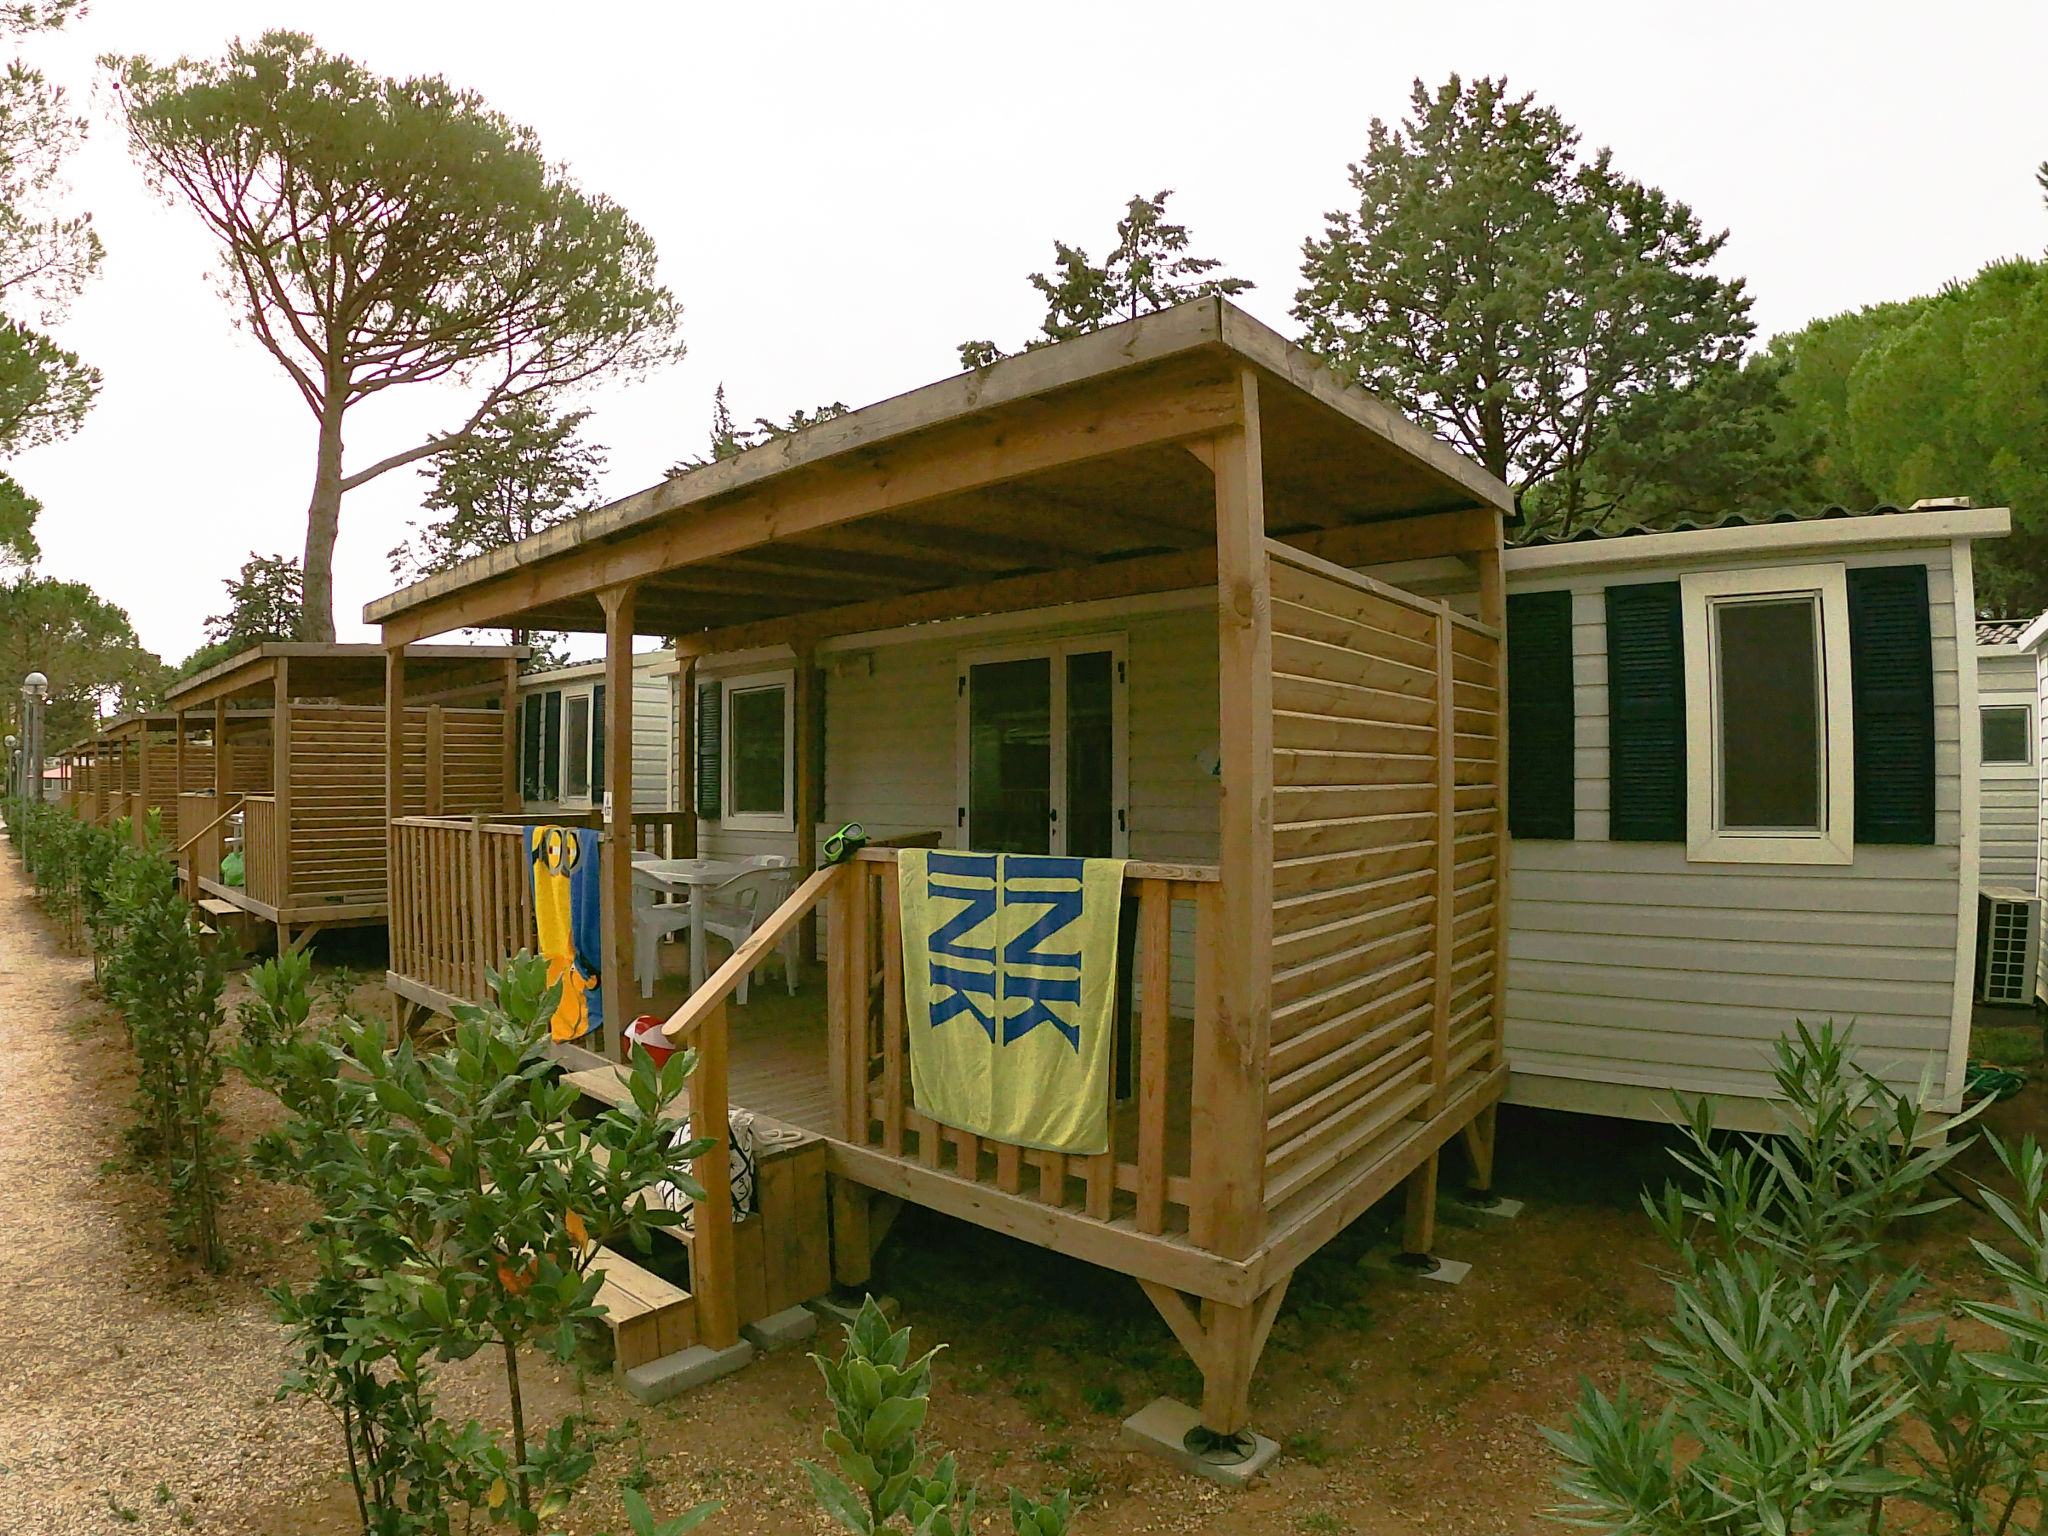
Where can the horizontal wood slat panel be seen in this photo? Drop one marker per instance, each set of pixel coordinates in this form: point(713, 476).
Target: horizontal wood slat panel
point(1325, 696)
point(1312, 590)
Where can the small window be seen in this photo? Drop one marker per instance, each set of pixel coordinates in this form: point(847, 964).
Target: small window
point(758, 729)
point(1767, 671)
point(2007, 737)
point(576, 747)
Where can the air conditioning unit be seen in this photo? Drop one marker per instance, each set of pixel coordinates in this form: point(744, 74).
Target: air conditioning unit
point(2008, 946)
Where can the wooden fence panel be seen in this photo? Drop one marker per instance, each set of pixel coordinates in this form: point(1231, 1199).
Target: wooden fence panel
point(1384, 739)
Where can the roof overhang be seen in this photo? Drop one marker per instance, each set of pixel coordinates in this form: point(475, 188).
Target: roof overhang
point(354, 674)
point(1066, 459)
point(1765, 541)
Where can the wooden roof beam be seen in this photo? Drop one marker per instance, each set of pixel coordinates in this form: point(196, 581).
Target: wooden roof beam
point(1034, 436)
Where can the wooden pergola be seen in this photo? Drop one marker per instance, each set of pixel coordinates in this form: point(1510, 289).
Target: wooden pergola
point(296, 735)
point(1348, 951)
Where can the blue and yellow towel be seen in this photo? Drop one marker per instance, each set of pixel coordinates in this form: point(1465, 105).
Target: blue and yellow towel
point(568, 917)
point(1009, 991)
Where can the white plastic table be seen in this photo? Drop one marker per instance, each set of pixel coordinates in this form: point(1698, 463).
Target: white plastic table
point(691, 876)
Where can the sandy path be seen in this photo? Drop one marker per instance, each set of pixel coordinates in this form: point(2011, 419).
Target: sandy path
point(133, 1395)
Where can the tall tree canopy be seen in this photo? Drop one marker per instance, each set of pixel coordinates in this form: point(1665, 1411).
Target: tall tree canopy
point(377, 232)
point(266, 601)
point(47, 255)
point(85, 645)
point(1148, 268)
point(1945, 395)
point(729, 438)
point(1513, 294)
point(522, 470)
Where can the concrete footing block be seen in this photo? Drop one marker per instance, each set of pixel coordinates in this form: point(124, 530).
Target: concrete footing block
point(1499, 1212)
point(1161, 1428)
point(837, 1308)
point(659, 1380)
point(790, 1326)
point(1392, 1263)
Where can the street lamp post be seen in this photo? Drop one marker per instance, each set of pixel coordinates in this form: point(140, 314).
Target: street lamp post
point(14, 764)
point(34, 689)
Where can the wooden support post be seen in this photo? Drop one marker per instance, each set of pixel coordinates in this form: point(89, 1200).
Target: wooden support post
point(1418, 1211)
point(512, 801)
point(281, 788)
point(853, 1239)
point(223, 760)
point(618, 795)
point(178, 749)
point(842, 1022)
point(142, 798)
point(1227, 1208)
point(394, 758)
point(809, 789)
point(686, 757)
point(437, 760)
point(1493, 609)
point(1446, 875)
point(1225, 1343)
point(712, 1279)
point(1478, 1137)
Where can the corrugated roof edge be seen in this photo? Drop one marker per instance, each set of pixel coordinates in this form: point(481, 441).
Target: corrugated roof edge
point(1538, 540)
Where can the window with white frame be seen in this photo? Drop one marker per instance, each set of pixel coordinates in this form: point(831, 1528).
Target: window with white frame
point(1771, 777)
point(1042, 749)
point(561, 745)
point(2006, 733)
point(758, 726)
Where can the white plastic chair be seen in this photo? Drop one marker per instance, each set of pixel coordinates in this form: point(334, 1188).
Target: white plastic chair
point(735, 909)
point(652, 921)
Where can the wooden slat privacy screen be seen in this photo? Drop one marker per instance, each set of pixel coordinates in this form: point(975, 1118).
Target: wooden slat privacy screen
point(455, 757)
point(1385, 847)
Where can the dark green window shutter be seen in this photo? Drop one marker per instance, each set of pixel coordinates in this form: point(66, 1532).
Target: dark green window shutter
point(529, 747)
point(1645, 714)
point(1891, 659)
point(1540, 715)
point(597, 784)
point(551, 747)
point(709, 738)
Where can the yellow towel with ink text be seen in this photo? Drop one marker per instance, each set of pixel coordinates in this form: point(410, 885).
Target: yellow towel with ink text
point(1009, 993)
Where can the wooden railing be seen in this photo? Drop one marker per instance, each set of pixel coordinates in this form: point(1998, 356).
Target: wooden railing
point(665, 834)
point(201, 847)
point(263, 873)
point(461, 901)
point(702, 1023)
point(1145, 1172)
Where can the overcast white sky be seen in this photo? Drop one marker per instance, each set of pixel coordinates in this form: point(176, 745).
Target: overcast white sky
point(841, 193)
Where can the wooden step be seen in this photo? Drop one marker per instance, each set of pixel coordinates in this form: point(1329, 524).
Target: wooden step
point(213, 906)
point(649, 1317)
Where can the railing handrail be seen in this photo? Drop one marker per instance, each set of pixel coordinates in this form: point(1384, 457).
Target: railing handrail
point(707, 999)
point(501, 821)
point(1134, 869)
point(223, 816)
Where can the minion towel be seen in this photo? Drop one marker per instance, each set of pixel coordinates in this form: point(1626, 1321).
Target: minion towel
point(566, 893)
point(1009, 991)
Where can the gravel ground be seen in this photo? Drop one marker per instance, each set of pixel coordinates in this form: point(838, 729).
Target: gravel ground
point(134, 1395)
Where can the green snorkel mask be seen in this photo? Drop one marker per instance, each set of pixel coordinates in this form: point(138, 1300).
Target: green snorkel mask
point(845, 843)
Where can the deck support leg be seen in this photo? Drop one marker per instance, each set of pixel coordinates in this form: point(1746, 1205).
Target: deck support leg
point(1478, 1136)
point(1225, 1343)
point(853, 1238)
point(1418, 1217)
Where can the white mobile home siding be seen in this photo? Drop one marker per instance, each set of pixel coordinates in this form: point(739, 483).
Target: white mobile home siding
point(1633, 971)
point(2010, 804)
point(653, 745)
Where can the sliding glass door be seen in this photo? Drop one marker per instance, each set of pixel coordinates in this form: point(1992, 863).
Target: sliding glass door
point(1041, 749)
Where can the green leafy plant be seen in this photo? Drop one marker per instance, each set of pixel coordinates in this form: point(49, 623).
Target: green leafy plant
point(461, 1209)
point(1793, 1398)
point(884, 1482)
